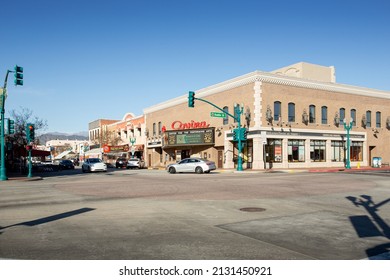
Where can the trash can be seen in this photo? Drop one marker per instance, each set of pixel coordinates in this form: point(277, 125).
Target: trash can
point(376, 162)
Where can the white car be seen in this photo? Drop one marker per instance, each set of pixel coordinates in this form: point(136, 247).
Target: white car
point(93, 164)
point(197, 165)
point(135, 163)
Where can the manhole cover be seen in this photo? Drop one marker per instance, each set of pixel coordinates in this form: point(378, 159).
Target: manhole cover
point(252, 209)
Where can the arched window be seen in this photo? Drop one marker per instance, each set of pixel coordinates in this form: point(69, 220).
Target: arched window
point(368, 118)
point(378, 119)
point(342, 115)
point(324, 115)
point(277, 110)
point(353, 116)
point(291, 112)
point(312, 114)
point(226, 118)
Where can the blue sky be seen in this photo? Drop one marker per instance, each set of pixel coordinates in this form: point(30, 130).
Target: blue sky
point(85, 60)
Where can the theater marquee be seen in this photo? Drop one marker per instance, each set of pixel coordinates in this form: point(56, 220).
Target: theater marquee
point(190, 137)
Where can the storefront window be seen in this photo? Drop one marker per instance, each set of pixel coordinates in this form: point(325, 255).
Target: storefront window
point(296, 150)
point(273, 150)
point(317, 150)
point(356, 151)
point(337, 150)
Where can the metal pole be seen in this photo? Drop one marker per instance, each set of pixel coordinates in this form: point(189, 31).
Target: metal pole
point(348, 128)
point(29, 164)
point(3, 173)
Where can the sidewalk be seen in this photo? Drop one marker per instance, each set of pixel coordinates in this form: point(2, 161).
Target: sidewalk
point(302, 170)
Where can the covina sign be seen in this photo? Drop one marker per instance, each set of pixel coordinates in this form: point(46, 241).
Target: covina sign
point(178, 125)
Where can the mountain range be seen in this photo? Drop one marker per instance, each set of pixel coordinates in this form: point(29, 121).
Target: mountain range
point(62, 136)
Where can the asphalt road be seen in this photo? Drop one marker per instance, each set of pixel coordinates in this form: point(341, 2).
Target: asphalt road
point(150, 214)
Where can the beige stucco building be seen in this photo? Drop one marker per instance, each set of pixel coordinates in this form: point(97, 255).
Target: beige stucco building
point(295, 117)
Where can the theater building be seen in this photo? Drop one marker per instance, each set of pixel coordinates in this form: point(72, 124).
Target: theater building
point(123, 138)
point(294, 115)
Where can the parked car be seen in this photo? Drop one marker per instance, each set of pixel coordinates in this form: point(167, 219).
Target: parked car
point(120, 162)
point(197, 165)
point(93, 164)
point(135, 163)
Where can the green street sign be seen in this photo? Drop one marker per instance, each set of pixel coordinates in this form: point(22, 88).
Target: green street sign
point(218, 115)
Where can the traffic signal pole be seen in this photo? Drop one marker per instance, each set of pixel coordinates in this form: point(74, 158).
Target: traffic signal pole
point(238, 112)
point(18, 81)
point(3, 173)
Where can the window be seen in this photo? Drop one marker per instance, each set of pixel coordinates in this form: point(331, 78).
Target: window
point(353, 117)
point(368, 118)
point(356, 151)
point(337, 150)
point(296, 150)
point(342, 115)
point(324, 115)
point(291, 112)
point(277, 110)
point(378, 119)
point(154, 129)
point(312, 114)
point(159, 128)
point(273, 150)
point(317, 150)
point(226, 118)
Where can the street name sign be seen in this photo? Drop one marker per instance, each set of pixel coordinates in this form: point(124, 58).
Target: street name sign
point(218, 115)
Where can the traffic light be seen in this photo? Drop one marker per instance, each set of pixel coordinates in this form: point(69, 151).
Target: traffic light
point(30, 132)
point(243, 133)
point(18, 75)
point(191, 99)
point(11, 126)
point(236, 134)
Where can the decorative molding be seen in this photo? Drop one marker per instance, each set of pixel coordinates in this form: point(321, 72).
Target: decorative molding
point(264, 77)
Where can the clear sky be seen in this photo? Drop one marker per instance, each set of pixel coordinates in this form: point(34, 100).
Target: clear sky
point(85, 60)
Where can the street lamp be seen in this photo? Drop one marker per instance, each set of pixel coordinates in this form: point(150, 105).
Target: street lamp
point(348, 128)
point(132, 141)
point(238, 110)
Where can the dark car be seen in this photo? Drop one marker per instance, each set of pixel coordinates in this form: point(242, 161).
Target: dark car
point(121, 162)
point(64, 164)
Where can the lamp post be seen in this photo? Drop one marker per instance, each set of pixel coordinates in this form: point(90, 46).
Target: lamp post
point(132, 141)
point(3, 175)
point(238, 109)
point(348, 128)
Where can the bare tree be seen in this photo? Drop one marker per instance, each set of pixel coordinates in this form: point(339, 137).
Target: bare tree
point(22, 117)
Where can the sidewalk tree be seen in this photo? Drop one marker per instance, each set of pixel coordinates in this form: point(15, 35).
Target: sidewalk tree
point(22, 117)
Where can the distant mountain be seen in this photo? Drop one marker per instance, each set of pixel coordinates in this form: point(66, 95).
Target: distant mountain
point(62, 136)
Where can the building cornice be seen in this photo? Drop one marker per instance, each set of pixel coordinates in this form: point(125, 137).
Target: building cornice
point(266, 77)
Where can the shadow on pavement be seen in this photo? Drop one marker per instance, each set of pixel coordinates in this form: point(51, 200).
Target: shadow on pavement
point(51, 218)
point(371, 226)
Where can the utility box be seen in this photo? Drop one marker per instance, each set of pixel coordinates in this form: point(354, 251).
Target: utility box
point(377, 162)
